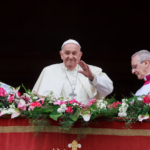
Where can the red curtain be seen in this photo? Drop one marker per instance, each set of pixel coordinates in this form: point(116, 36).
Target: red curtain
point(17, 134)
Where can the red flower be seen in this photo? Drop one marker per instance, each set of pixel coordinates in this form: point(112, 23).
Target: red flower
point(26, 98)
point(69, 110)
point(11, 99)
point(19, 94)
point(59, 102)
point(2, 92)
point(91, 102)
point(114, 105)
point(35, 104)
point(146, 99)
point(73, 101)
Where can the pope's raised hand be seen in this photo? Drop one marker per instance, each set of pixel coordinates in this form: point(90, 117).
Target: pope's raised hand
point(86, 70)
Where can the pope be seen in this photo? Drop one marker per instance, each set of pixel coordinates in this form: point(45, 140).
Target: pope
point(73, 79)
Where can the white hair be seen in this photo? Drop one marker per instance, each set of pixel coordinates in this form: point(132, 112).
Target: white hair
point(69, 42)
point(143, 55)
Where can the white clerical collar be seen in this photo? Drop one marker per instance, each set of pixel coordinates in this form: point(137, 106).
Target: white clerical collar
point(66, 69)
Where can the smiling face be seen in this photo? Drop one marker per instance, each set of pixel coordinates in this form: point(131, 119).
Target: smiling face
point(139, 68)
point(70, 54)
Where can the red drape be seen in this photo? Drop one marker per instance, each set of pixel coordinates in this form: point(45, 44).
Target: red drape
point(16, 134)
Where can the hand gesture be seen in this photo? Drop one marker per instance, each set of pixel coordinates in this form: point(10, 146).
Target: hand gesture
point(86, 70)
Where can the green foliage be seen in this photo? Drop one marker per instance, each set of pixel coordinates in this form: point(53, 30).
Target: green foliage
point(111, 100)
point(55, 115)
point(66, 125)
point(45, 108)
point(26, 90)
point(93, 109)
point(1, 105)
point(75, 115)
point(135, 109)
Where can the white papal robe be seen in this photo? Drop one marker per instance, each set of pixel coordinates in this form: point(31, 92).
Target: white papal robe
point(60, 80)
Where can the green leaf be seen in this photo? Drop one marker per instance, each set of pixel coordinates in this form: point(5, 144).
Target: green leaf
point(93, 107)
point(85, 112)
point(11, 88)
point(17, 88)
point(119, 105)
point(145, 109)
point(1, 104)
point(66, 124)
point(47, 110)
point(75, 116)
point(55, 116)
point(24, 88)
point(131, 99)
point(27, 90)
point(55, 107)
point(16, 109)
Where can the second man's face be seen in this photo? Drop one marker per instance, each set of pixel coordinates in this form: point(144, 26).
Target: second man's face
point(70, 55)
point(138, 68)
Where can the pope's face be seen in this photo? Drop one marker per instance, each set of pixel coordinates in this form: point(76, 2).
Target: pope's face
point(138, 68)
point(70, 54)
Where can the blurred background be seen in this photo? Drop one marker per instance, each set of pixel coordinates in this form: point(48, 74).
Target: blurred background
point(109, 32)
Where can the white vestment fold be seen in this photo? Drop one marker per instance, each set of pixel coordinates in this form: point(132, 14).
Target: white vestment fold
point(52, 78)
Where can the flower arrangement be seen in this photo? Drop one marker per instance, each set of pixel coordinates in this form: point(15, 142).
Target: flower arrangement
point(37, 108)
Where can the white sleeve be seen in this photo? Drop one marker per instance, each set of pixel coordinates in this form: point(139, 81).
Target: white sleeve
point(103, 84)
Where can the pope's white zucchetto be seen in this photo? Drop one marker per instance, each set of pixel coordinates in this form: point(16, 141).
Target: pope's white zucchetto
point(70, 41)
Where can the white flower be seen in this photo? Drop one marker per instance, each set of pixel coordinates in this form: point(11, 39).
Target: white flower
point(59, 110)
point(10, 111)
point(15, 114)
point(12, 105)
point(100, 101)
point(143, 117)
point(79, 145)
point(27, 95)
point(123, 108)
point(124, 100)
point(125, 105)
point(63, 106)
point(122, 114)
point(74, 104)
point(105, 102)
point(51, 99)
point(35, 97)
point(86, 117)
point(3, 112)
point(15, 91)
point(101, 104)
